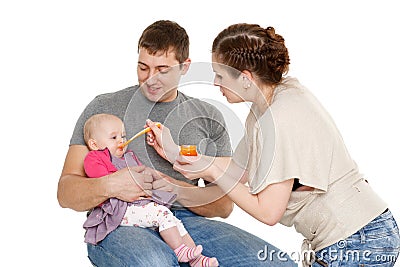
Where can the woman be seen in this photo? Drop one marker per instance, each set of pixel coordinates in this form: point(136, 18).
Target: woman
point(292, 156)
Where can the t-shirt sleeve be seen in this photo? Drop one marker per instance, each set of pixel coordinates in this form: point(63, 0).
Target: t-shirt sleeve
point(294, 141)
point(77, 135)
point(104, 103)
point(261, 152)
point(241, 155)
point(205, 126)
point(220, 135)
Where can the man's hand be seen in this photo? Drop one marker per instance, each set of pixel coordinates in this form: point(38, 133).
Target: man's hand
point(129, 184)
point(162, 181)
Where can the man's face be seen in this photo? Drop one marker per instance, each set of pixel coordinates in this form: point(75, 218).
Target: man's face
point(159, 75)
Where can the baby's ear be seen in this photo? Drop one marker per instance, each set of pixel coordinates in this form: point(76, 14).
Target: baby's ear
point(92, 144)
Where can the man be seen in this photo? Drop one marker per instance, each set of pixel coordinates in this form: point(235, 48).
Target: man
point(163, 59)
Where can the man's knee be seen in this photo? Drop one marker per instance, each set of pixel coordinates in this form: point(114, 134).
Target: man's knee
point(132, 246)
point(101, 257)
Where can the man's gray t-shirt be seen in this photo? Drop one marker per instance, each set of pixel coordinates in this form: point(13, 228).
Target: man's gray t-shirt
point(190, 120)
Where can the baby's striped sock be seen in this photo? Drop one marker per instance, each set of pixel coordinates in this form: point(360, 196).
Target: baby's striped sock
point(203, 261)
point(185, 254)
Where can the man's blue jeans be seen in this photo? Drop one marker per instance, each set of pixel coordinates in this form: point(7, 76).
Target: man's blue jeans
point(139, 247)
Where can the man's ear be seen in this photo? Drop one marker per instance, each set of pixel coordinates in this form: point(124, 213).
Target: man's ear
point(185, 66)
point(92, 144)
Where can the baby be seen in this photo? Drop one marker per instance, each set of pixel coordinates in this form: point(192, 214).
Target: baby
point(104, 134)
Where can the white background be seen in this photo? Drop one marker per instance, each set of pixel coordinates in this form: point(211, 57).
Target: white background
point(55, 56)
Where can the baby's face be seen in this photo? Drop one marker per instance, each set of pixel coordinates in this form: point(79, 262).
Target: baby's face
point(111, 134)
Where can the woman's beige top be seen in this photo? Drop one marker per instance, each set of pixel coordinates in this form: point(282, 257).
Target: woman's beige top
point(296, 138)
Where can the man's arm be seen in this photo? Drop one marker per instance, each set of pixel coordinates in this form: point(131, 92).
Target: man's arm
point(77, 192)
point(222, 207)
point(209, 201)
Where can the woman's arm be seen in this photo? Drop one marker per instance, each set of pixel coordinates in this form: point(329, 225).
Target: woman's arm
point(268, 206)
point(209, 201)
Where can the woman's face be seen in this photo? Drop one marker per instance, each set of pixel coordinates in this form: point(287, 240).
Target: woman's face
point(229, 86)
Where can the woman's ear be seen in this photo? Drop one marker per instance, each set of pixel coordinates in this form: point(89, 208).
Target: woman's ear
point(248, 74)
point(92, 144)
point(247, 79)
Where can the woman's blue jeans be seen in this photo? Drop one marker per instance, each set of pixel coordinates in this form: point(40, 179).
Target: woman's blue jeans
point(140, 247)
point(377, 244)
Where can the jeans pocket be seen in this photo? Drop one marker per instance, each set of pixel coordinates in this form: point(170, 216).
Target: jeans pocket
point(385, 236)
point(383, 245)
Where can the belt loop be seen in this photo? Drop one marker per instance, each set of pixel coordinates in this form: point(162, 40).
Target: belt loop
point(362, 236)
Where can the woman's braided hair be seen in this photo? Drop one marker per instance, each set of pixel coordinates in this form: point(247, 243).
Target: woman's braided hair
point(250, 47)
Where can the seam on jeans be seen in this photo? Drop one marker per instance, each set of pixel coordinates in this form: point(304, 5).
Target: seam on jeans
point(362, 236)
point(396, 227)
point(91, 261)
point(321, 263)
point(390, 232)
point(120, 263)
point(385, 216)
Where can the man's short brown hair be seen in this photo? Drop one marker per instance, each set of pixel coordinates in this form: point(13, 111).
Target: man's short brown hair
point(165, 36)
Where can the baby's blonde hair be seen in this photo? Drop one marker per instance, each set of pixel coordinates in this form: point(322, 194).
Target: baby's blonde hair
point(93, 122)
